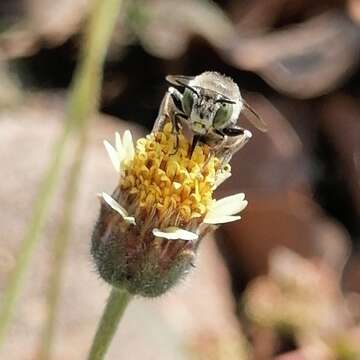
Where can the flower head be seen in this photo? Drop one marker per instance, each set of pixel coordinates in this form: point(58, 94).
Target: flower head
point(150, 227)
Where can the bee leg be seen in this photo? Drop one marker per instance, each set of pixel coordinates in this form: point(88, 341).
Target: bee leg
point(223, 137)
point(237, 137)
point(168, 112)
point(176, 129)
point(164, 112)
point(220, 143)
point(195, 140)
point(176, 97)
point(240, 135)
point(234, 131)
point(176, 114)
point(170, 105)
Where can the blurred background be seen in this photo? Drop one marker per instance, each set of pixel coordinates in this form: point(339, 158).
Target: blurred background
point(282, 283)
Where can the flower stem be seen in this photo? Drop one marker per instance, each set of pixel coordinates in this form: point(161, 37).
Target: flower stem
point(115, 307)
point(82, 104)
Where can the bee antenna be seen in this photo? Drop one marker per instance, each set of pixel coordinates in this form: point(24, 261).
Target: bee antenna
point(226, 101)
point(188, 87)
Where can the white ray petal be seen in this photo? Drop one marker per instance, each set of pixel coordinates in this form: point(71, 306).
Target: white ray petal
point(118, 208)
point(113, 155)
point(223, 210)
point(221, 178)
point(221, 219)
point(175, 233)
point(230, 205)
point(118, 142)
point(128, 146)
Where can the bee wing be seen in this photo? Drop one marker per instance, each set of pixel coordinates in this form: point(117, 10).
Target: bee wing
point(254, 117)
point(179, 79)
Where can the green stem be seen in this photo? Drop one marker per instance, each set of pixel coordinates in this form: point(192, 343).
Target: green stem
point(82, 104)
point(109, 322)
point(59, 250)
point(32, 233)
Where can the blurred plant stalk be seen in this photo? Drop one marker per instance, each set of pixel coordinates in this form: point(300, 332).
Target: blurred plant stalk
point(60, 245)
point(113, 312)
point(82, 104)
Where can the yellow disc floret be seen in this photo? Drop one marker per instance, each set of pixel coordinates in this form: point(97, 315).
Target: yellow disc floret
point(162, 177)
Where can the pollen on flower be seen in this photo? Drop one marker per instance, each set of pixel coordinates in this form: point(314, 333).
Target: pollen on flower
point(163, 180)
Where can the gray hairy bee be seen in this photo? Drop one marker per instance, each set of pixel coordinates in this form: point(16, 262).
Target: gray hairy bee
point(210, 104)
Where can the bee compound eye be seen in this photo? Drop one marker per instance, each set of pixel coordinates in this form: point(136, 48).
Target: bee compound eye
point(223, 115)
point(187, 101)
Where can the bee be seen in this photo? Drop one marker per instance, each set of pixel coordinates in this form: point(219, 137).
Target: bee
point(210, 104)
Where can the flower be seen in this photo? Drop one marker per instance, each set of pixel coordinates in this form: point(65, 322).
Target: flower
point(150, 227)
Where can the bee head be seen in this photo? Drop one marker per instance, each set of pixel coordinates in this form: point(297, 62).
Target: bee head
point(207, 109)
point(212, 101)
point(209, 100)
